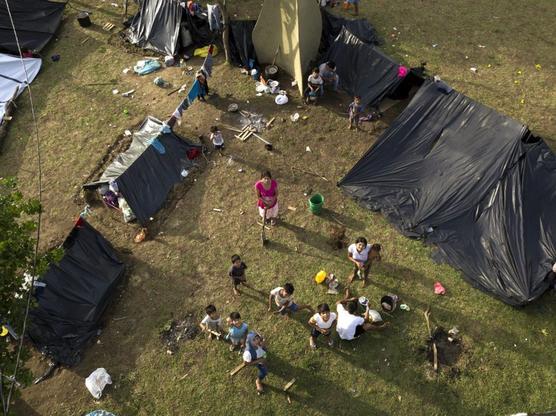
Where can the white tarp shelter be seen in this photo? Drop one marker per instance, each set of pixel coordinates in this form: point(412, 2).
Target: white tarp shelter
point(12, 78)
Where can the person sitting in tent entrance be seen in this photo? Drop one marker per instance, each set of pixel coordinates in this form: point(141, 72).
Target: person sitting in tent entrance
point(314, 86)
point(328, 73)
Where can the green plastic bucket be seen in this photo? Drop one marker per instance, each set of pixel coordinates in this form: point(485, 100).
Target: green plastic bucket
point(315, 203)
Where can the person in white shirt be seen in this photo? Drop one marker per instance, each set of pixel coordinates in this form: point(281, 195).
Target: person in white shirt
point(362, 255)
point(321, 323)
point(283, 298)
point(211, 323)
point(216, 137)
point(350, 325)
point(315, 85)
point(255, 354)
point(328, 74)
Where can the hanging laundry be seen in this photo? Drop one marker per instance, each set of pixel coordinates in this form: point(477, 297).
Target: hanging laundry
point(214, 17)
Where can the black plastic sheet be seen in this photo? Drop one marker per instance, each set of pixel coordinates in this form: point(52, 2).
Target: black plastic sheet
point(363, 69)
point(145, 176)
point(332, 26)
point(471, 181)
point(242, 50)
point(77, 292)
point(36, 22)
point(157, 26)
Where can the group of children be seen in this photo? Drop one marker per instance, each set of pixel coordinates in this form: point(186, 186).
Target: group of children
point(348, 320)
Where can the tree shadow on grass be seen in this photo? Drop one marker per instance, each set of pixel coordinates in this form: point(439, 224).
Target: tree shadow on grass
point(306, 392)
point(342, 219)
point(440, 395)
point(311, 238)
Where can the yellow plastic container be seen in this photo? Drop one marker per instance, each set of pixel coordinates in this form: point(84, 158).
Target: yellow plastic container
point(320, 277)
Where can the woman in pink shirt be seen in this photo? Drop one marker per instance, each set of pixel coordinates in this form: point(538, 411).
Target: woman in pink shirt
point(267, 192)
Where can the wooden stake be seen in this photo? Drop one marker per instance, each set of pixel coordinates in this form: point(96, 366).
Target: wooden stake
point(289, 384)
point(237, 369)
point(216, 334)
point(270, 122)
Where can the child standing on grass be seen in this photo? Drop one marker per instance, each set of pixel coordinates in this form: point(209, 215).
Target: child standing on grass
point(283, 297)
point(255, 354)
point(355, 111)
point(211, 322)
point(237, 332)
point(216, 137)
point(237, 274)
point(321, 323)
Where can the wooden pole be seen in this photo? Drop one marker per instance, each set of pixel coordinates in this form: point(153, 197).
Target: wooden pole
point(125, 10)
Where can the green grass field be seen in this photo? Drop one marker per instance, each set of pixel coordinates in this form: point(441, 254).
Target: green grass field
point(509, 362)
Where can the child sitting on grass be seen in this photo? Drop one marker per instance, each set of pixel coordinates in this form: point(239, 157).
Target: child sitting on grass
point(283, 297)
point(237, 274)
point(237, 332)
point(211, 322)
point(321, 322)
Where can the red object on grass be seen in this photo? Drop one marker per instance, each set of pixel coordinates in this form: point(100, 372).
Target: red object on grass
point(439, 289)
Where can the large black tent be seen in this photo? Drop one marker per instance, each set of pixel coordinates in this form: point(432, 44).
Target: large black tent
point(166, 27)
point(242, 50)
point(36, 21)
point(75, 296)
point(147, 171)
point(472, 181)
point(363, 69)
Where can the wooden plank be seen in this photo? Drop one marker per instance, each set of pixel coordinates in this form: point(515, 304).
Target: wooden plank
point(238, 369)
point(289, 384)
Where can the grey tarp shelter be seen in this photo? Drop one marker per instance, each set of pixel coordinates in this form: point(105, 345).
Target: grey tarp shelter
point(143, 174)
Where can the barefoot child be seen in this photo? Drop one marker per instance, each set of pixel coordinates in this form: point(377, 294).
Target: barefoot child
point(216, 137)
point(211, 322)
point(321, 322)
point(355, 111)
point(237, 274)
point(255, 354)
point(283, 297)
point(237, 332)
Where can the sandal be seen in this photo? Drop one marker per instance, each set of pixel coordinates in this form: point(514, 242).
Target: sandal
point(272, 221)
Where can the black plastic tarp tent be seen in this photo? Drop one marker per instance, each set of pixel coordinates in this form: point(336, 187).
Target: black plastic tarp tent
point(332, 26)
point(77, 291)
point(242, 51)
point(165, 26)
point(147, 171)
point(36, 21)
point(363, 69)
point(472, 181)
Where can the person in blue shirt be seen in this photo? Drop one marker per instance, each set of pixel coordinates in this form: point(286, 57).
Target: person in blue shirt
point(237, 332)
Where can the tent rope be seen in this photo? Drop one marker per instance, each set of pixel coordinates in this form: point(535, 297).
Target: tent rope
point(6, 404)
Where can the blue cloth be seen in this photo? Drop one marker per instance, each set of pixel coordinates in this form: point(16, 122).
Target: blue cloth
point(194, 91)
point(150, 66)
point(100, 413)
point(157, 144)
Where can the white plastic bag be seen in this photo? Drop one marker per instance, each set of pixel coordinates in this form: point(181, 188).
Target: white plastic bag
point(96, 382)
